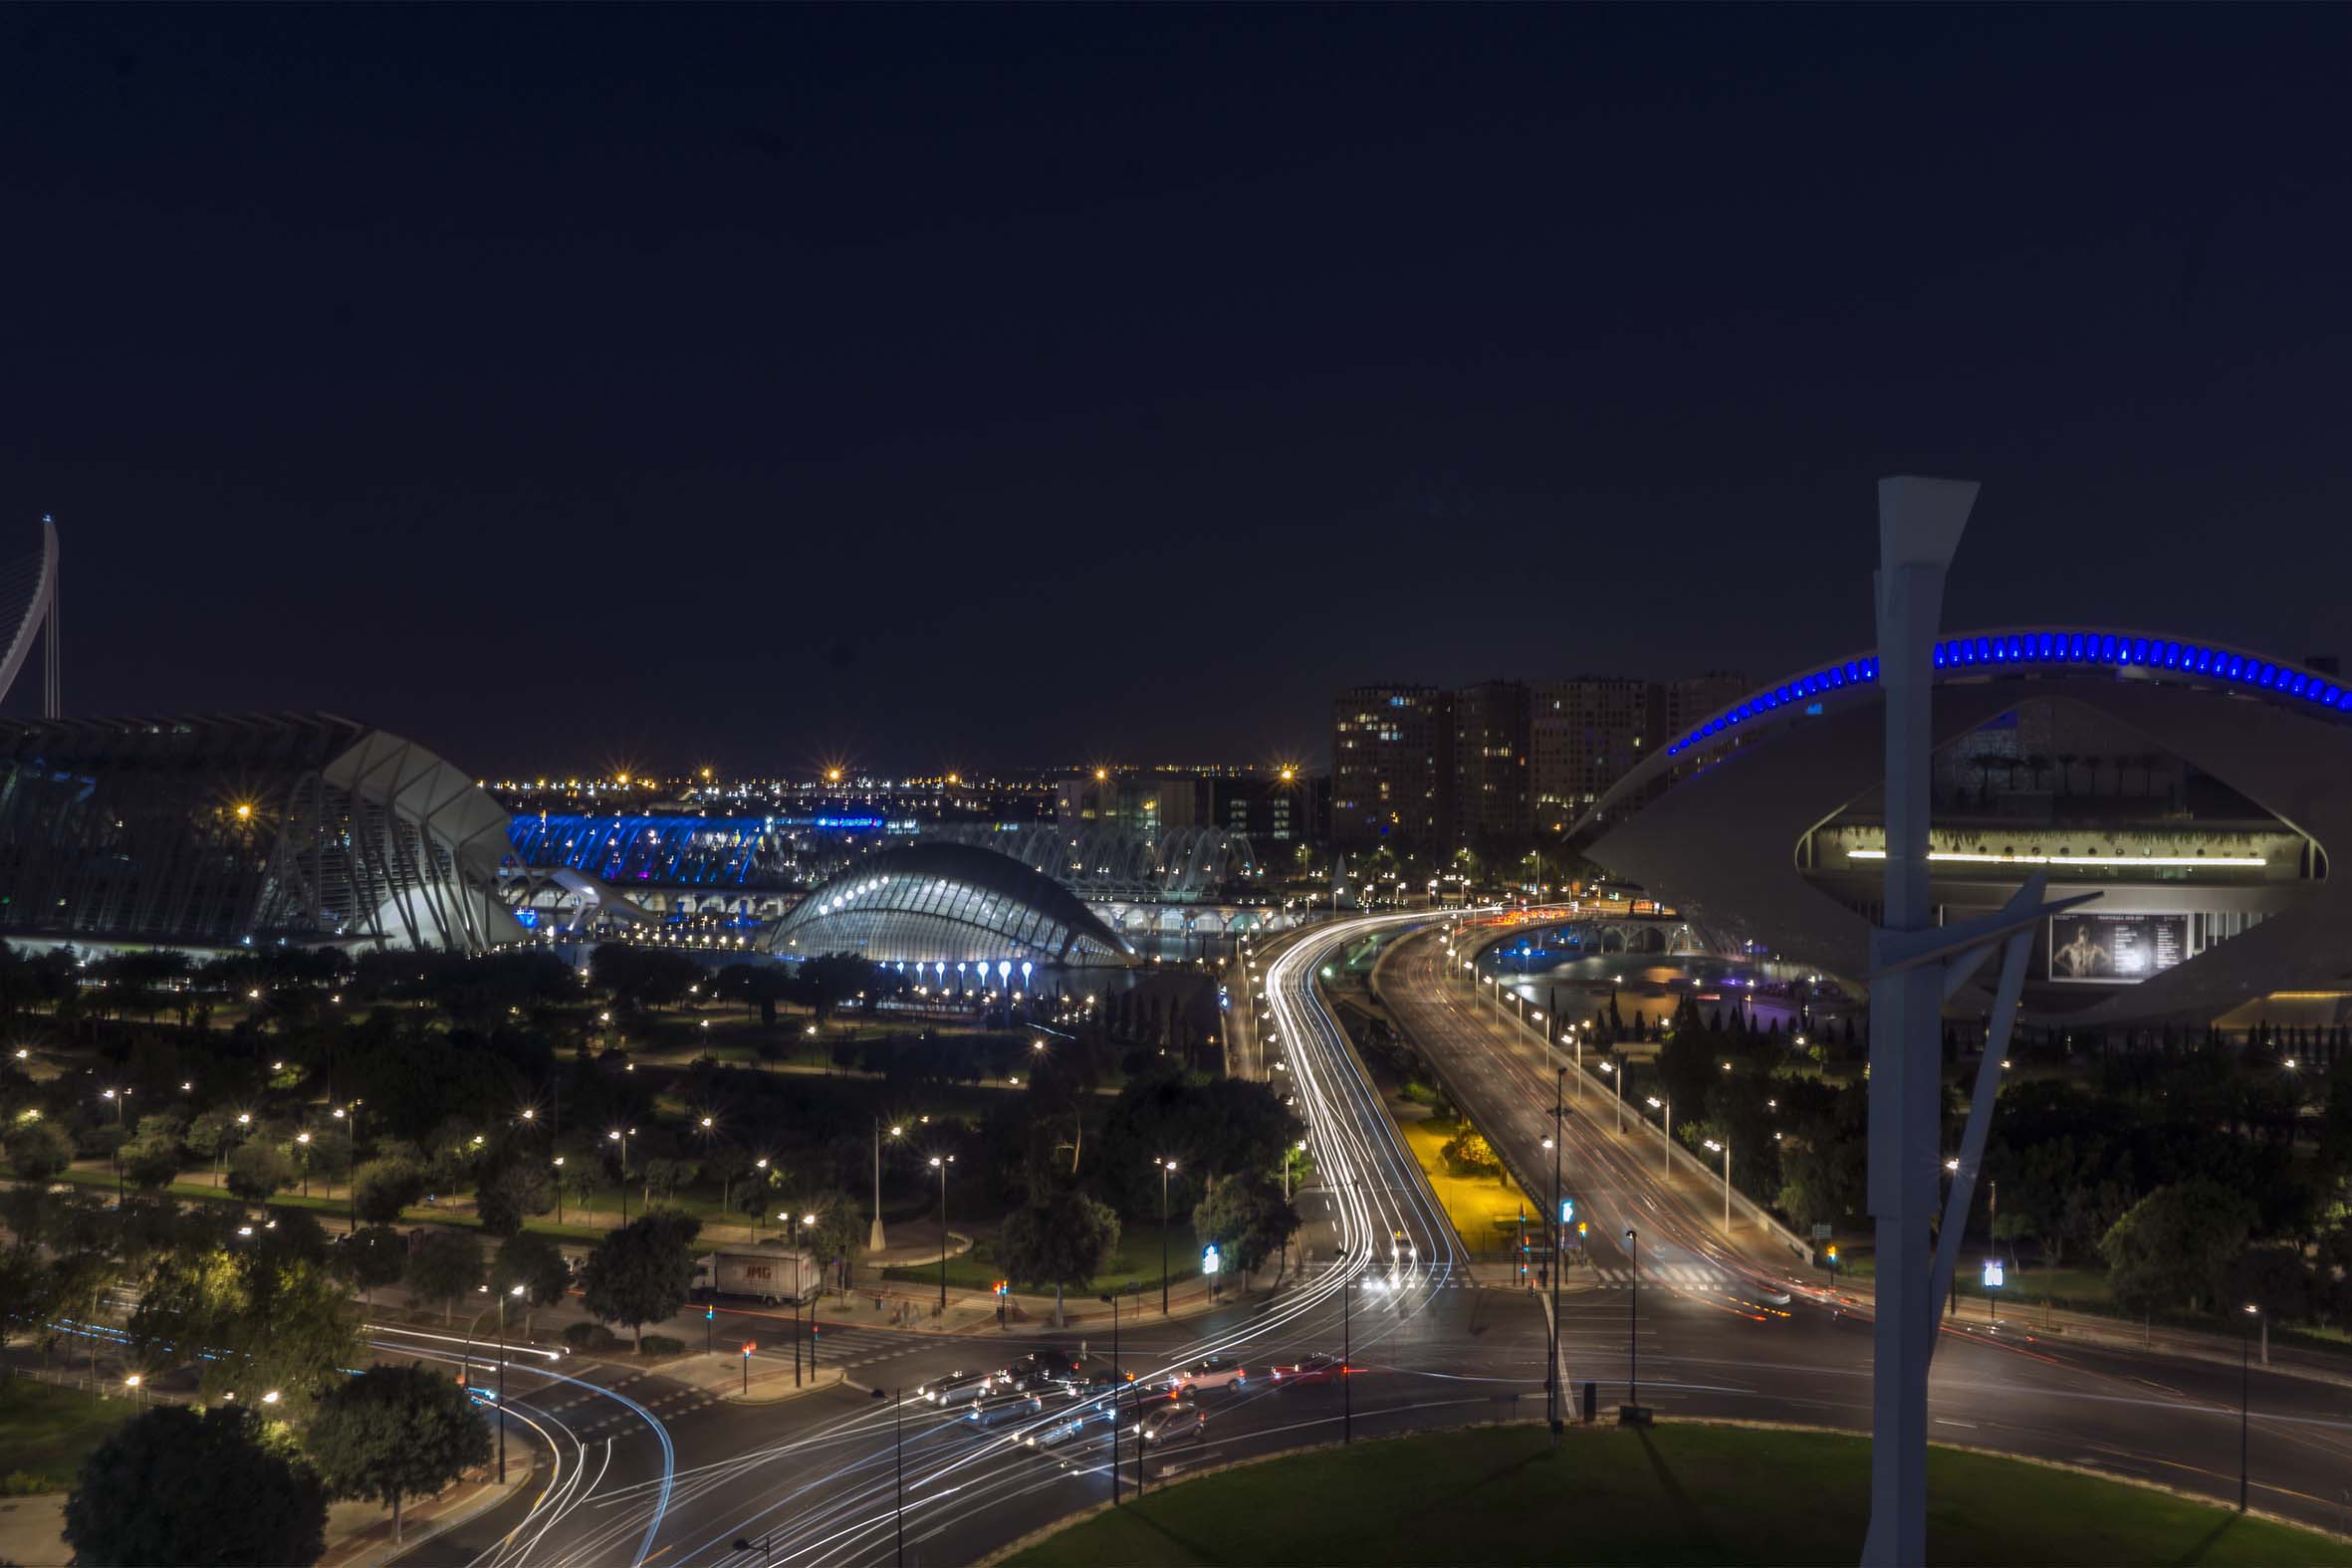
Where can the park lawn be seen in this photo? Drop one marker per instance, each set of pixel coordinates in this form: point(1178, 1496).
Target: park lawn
point(1137, 1261)
point(47, 1432)
point(1680, 1492)
point(1485, 1210)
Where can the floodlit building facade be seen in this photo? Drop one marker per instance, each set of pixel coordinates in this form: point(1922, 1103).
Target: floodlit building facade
point(947, 904)
point(242, 830)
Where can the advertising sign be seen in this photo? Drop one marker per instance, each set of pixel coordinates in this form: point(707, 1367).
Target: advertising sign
point(2110, 950)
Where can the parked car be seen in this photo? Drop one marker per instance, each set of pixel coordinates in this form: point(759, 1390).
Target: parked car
point(1165, 1424)
point(1319, 1368)
point(1211, 1372)
point(959, 1382)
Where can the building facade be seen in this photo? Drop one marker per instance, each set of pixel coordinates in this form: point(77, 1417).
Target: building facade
point(1492, 778)
point(1392, 766)
point(1586, 735)
point(242, 830)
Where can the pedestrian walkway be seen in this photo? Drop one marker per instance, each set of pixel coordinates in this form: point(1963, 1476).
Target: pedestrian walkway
point(1691, 1276)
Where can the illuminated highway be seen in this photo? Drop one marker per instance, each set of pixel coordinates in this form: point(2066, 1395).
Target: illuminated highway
point(1715, 1340)
point(840, 1477)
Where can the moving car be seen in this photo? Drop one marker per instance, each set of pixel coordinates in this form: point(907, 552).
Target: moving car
point(1319, 1368)
point(1040, 1369)
point(1165, 1424)
point(1054, 1434)
point(994, 1409)
point(1211, 1372)
point(957, 1383)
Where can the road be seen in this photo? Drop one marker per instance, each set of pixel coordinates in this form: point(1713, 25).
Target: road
point(637, 1469)
point(1714, 1338)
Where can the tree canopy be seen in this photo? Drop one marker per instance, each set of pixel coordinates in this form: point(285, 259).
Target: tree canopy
point(641, 1272)
point(395, 1433)
point(173, 1485)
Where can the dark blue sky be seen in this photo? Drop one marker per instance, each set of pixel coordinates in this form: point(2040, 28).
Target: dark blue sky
point(947, 388)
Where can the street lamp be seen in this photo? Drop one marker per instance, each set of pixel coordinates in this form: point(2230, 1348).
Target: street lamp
point(351, 1127)
point(1167, 1169)
point(558, 1189)
point(2245, 1390)
point(302, 1141)
point(940, 1164)
point(1618, 1080)
point(1633, 1325)
point(1553, 1223)
point(1664, 1136)
point(621, 1136)
point(1725, 1148)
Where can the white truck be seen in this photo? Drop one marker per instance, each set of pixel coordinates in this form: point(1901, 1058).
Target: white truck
point(760, 1272)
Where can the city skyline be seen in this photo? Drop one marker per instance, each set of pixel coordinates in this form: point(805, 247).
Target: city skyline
point(719, 391)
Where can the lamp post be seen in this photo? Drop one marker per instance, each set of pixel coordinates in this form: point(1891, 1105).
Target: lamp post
point(558, 1189)
point(351, 1126)
point(1113, 1300)
point(511, 1292)
point(1167, 1169)
point(940, 1164)
point(1552, 1221)
point(873, 1238)
point(1664, 1136)
point(1347, 1348)
point(1618, 1081)
point(1633, 1324)
point(2245, 1394)
point(1726, 1148)
point(621, 1136)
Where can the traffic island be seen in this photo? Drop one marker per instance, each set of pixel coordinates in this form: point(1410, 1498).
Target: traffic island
point(1680, 1492)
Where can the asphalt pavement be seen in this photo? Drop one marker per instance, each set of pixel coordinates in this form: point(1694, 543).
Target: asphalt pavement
point(1711, 1335)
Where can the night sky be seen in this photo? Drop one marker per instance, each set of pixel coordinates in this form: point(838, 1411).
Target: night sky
point(571, 389)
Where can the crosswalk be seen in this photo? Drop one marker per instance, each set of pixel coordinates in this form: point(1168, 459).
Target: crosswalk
point(1696, 1276)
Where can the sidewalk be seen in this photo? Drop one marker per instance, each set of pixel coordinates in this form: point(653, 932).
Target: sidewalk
point(360, 1534)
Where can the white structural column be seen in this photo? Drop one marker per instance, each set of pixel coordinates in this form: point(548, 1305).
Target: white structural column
point(1919, 527)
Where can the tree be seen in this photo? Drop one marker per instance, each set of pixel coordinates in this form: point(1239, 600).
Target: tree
point(1247, 1217)
point(266, 1322)
point(641, 1272)
point(537, 1264)
point(2172, 1247)
point(152, 1163)
point(395, 1433)
point(446, 1267)
point(1468, 1153)
point(175, 1487)
point(513, 1188)
point(1059, 1239)
point(37, 1150)
point(258, 1171)
point(27, 1287)
point(374, 1258)
point(382, 1188)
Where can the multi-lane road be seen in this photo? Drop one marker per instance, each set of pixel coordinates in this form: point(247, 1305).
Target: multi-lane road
point(635, 1470)
point(1715, 1338)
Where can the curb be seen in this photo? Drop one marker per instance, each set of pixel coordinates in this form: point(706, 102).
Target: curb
point(1045, 1532)
point(492, 1495)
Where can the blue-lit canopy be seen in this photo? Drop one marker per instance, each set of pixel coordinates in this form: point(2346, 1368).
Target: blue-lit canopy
point(943, 903)
point(1985, 651)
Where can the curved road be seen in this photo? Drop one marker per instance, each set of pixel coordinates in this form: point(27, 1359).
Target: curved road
point(1714, 1338)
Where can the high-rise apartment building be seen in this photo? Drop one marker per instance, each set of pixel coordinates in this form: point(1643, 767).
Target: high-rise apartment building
point(1684, 703)
point(1392, 766)
point(1491, 772)
point(1586, 735)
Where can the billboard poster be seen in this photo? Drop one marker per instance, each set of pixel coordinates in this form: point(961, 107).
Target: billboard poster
point(2115, 950)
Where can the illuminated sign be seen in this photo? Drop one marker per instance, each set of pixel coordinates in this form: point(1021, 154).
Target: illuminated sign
point(1993, 1274)
point(2114, 950)
point(1210, 1261)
